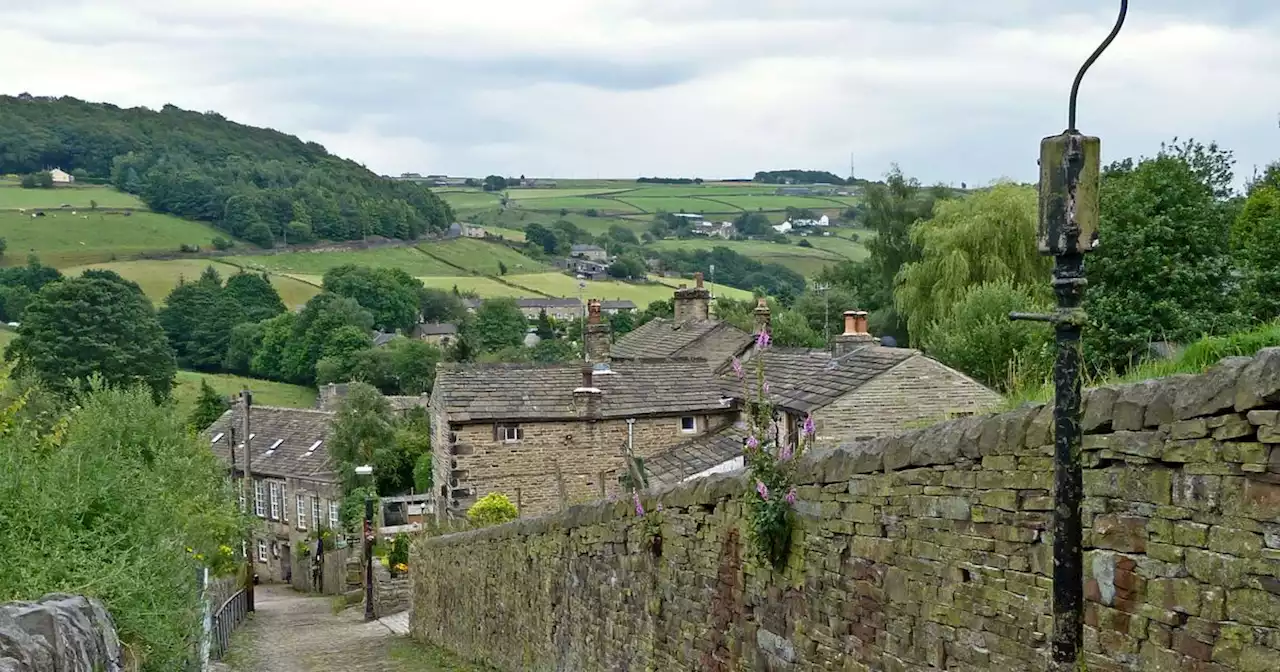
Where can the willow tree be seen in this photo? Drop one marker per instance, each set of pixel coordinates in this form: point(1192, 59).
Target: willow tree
point(986, 237)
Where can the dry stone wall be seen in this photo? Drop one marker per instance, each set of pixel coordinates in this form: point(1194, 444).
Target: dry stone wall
point(930, 550)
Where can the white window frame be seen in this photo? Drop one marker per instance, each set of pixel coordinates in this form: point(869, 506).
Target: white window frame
point(333, 514)
point(284, 503)
point(243, 502)
point(262, 550)
point(302, 513)
point(510, 433)
point(693, 421)
point(259, 506)
point(274, 489)
point(315, 512)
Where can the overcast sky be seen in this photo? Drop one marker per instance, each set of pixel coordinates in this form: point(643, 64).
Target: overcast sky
point(952, 91)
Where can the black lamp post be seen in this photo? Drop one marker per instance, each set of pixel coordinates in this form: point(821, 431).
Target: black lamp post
point(367, 470)
point(1070, 170)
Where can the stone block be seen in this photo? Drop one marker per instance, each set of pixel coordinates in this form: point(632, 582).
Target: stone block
point(1160, 409)
point(1143, 444)
point(1234, 426)
point(1099, 404)
point(1209, 393)
point(59, 633)
point(1130, 407)
point(1197, 491)
point(1187, 533)
point(1120, 533)
point(1039, 430)
point(1191, 450)
point(1253, 607)
point(1217, 569)
point(1259, 381)
point(1195, 428)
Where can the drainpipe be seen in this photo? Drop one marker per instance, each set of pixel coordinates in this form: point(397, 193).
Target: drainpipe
point(631, 435)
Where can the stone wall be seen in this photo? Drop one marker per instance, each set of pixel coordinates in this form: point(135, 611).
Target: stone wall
point(391, 595)
point(928, 550)
point(58, 633)
point(581, 450)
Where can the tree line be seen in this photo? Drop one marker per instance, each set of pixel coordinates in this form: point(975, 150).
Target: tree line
point(1182, 255)
point(256, 184)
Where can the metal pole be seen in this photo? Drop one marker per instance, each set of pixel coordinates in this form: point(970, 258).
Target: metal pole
point(368, 557)
point(246, 404)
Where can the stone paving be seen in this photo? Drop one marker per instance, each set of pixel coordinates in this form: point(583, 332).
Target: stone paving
point(293, 632)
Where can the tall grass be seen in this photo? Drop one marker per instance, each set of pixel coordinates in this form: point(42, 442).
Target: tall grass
point(1195, 358)
point(113, 499)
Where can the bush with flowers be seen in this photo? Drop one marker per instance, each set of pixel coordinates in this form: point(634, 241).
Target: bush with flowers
point(770, 460)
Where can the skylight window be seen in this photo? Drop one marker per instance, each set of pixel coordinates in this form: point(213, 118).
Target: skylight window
point(313, 447)
point(218, 437)
point(273, 447)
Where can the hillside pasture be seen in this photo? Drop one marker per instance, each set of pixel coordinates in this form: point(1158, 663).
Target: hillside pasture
point(318, 262)
point(806, 261)
point(158, 278)
point(265, 392)
point(690, 204)
point(470, 200)
point(479, 257)
point(845, 247)
point(577, 203)
point(560, 284)
point(63, 239)
point(485, 288)
point(537, 194)
point(78, 197)
point(514, 235)
point(757, 203)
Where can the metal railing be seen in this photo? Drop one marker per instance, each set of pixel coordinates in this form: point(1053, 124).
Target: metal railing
point(226, 618)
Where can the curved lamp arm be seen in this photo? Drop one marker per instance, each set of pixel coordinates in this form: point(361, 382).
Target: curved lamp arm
point(1075, 87)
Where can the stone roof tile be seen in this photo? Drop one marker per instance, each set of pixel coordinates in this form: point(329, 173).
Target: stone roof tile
point(281, 440)
point(694, 456)
point(806, 380)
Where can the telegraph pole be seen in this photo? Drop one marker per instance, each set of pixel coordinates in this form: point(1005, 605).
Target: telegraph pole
point(246, 402)
point(1070, 170)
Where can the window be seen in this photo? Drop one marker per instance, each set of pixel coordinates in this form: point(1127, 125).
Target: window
point(333, 515)
point(242, 502)
point(688, 424)
point(508, 433)
point(274, 488)
point(262, 550)
point(302, 512)
point(258, 509)
point(315, 511)
point(284, 503)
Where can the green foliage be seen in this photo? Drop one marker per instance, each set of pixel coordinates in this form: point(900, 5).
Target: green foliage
point(255, 295)
point(80, 328)
point(252, 183)
point(198, 318)
point(364, 433)
point(622, 323)
point(390, 294)
point(1255, 246)
point(1163, 266)
point(977, 337)
point(735, 270)
point(209, 407)
point(499, 324)
point(38, 180)
point(423, 477)
point(123, 504)
point(988, 236)
point(628, 266)
point(790, 328)
point(399, 554)
point(320, 318)
point(19, 284)
point(438, 305)
point(492, 509)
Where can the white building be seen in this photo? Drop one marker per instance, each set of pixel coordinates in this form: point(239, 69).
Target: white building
point(61, 177)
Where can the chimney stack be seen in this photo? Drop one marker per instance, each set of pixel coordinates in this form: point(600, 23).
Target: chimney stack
point(597, 334)
point(587, 398)
point(764, 319)
point(693, 303)
point(855, 334)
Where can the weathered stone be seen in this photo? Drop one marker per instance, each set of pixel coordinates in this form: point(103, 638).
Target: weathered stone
point(1197, 491)
point(1160, 408)
point(1099, 404)
point(1186, 533)
point(1120, 533)
point(1194, 428)
point(1263, 417)
point(59, 633)
point(1241, 543)
point(942, 443)
point(897, 453)
point(1259, 381)
point(1144, 444)
point(1254, 607)
point(1130, 408)
point(1212, 392)
point(1234, 426)
point(1216, 569)
point(1039, 430)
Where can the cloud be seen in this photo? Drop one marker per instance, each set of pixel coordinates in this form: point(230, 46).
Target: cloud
point(714, 88)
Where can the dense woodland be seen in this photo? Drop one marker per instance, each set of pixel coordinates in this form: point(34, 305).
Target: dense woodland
point(256, 184)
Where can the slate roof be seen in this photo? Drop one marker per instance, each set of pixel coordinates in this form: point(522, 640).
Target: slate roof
point(806, 380)
point(282, 442)
point(662, 337)
point(617, 304)
point(695, 456)
point(533, 392)
point(435, 329)
point(381, 338)
point(585, 248)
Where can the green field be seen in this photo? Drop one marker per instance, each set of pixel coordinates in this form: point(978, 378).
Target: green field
point(470, 200)
point(533, 194)
point(559, 284)
point(780, 202)
point(578, 203)
point(63, 239)
point(485, 288)
point(691, 204)
point(806, 261)
point(158, 278)
point(479, 257)
point(265, 392)
point(14, 196)
point(317, 262)
point(845, 247)
point(515, 235)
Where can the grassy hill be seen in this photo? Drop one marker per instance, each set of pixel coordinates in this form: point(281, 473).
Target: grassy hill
point(158, 278)
point(265, 392)
point(12, 196)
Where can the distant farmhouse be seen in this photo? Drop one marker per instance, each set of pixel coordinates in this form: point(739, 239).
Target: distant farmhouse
point(61, 176)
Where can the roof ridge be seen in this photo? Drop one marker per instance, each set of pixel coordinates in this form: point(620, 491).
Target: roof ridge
point(256, 407)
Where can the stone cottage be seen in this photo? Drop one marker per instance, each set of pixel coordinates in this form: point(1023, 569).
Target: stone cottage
point(690, 333)
point(855, 389)
point(296, 488)
point(550, 435)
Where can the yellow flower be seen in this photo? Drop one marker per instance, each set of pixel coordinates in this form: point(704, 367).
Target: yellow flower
point(401, 567)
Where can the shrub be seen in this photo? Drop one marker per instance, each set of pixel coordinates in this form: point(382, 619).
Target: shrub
point(492, 509)
point(399, 555)
point(117, 500)
point(188, 249)
point(220, 243)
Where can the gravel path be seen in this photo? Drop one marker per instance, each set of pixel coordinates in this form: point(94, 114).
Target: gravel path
point(293, 632)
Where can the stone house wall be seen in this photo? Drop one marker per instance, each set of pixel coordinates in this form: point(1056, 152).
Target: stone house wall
point(281, 534)
point(917, 390)
point(581, 450)
point(929, 550)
